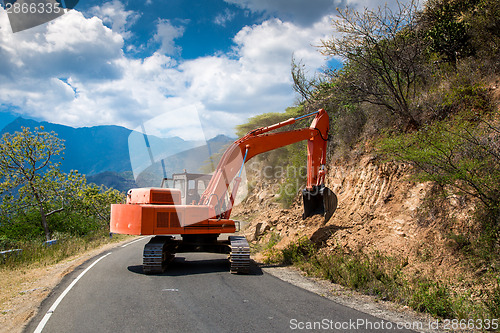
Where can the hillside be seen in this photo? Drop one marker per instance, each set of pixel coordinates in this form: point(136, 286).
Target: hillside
point(90, 150)
point(413, 158)
point(102, 153)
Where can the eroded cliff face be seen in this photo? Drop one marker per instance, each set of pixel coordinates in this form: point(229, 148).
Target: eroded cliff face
point(380, 210)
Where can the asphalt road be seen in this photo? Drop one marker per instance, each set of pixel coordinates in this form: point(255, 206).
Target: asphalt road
point(196, 294)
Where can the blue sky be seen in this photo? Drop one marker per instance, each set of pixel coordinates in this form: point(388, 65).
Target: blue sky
point(128, 62)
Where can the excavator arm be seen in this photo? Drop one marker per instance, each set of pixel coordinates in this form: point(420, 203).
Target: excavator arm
point(317, 198)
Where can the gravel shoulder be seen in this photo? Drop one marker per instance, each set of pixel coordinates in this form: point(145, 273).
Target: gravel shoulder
point(368, 304)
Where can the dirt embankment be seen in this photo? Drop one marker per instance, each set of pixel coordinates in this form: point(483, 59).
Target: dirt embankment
point(380, 209)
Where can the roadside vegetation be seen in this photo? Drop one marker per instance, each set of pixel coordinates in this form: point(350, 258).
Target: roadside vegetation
point(382, 276)
point(39, 203)
point(417, 86)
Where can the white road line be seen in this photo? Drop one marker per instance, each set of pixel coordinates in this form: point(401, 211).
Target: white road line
point(46, 318)
point(132, 242)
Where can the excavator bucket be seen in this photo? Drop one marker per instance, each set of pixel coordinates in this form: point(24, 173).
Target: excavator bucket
point(320, 200)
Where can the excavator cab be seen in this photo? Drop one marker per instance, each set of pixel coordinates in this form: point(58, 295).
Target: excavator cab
point(319, 200)
point(191, 185)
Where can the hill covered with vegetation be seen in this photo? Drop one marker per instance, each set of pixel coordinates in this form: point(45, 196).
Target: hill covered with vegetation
point(418, 93)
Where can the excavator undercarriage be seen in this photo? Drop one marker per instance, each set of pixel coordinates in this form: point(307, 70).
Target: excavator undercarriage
point(161, 250)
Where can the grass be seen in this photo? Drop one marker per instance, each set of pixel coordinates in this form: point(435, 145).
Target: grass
point(383, 277)
point(36, 253)
point(274, 238)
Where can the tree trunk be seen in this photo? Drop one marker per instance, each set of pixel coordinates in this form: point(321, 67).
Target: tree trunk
point(44, 223)
point(42, 213)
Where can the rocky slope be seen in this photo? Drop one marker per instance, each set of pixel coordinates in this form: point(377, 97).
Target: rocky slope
point(380, 210)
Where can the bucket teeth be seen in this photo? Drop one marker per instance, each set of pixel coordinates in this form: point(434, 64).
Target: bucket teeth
point(319, 200)
point(239, 257)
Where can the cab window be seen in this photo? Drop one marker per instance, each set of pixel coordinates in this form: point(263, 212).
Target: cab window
point(201, 187)
point(180, 184)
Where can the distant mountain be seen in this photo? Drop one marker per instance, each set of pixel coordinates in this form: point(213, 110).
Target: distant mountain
point(102, 153)
point(120, 181)
point(90, 150)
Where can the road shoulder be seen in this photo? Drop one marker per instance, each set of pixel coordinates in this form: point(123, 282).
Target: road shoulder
point(28, 287)
point(387, 311)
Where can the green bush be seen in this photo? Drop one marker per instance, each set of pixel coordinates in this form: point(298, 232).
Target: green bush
point(25, 226)
point(433, 298)
point(447, 33)
point(75, 224)
point(383, 276)
point(458, 153)
point(298, 251)
point(472, 100)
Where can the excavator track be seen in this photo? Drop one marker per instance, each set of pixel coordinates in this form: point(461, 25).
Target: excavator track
point(239, 257)
point(156, 255)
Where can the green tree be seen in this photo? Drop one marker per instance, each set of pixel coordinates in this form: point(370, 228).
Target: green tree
point(307, 87)
point(383, 53)
point(95, 201)
point(446, 30)
point(29, 173)
point(30, 178)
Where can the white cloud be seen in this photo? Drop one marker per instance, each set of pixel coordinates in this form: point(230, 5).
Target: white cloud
point(166, 33)
point(73, 71)
point(222, 18)
point(114, 15)
point(309, 12)
point(258, 79)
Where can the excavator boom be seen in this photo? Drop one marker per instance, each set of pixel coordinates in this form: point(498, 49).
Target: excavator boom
point(260, 141)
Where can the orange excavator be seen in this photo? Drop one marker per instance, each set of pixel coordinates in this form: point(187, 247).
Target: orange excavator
point(162, 212)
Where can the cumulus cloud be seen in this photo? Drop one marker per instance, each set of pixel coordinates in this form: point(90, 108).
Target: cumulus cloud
point(72, 37)
point(73, 71)
point(258, 79)
point(166, 33)
point(114, 15)
point(38, 65)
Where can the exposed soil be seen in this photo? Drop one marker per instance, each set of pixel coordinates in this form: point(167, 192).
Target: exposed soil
point(380, 210)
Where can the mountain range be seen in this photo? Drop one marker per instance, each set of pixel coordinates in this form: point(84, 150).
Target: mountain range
point(102, 153)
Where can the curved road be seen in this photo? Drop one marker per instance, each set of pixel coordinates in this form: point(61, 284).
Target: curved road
point(196, 294)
